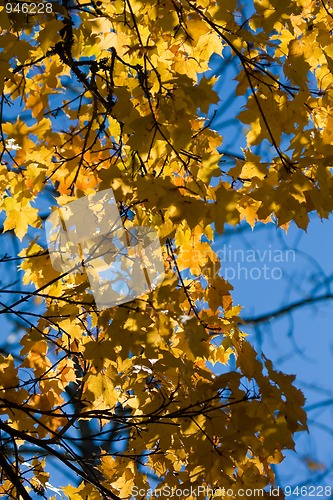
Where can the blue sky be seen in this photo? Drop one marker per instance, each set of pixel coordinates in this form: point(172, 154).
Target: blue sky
point(301, 342)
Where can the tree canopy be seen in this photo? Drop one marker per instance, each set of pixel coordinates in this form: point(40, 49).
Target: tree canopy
point(115, 95)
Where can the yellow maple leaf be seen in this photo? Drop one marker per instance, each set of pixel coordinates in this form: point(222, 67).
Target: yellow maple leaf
point(20, 214)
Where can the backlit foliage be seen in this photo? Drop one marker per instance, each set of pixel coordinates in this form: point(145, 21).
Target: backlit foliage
point(106, 94)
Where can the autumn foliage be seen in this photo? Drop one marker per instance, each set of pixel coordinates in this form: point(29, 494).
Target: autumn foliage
point(107, 95)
